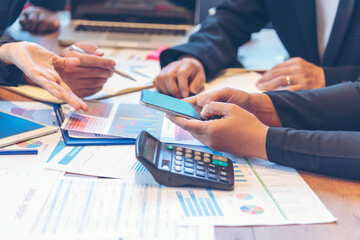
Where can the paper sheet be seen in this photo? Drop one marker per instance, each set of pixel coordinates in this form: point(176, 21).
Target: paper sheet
point(265, 194)
point(110, 209)
point(103, 161)
point(23, 194)
point(122, 120)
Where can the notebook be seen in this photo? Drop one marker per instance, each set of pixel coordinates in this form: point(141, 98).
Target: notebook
point(131, 23)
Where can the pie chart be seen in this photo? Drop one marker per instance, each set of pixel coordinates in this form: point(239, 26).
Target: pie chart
point(30, 144)
point(244, 196)
point(252, 209)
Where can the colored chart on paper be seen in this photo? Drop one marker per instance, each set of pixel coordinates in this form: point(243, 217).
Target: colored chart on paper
point(238, 174)
point(138, 167)
point(30, 144)
point(130, 120)
point(252, 209)
point(193, 205)
point(244, 196)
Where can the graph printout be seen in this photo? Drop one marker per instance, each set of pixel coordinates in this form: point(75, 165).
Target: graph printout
point(104, 161)
point(122, 120)
point(264, 194)
point(80, 208)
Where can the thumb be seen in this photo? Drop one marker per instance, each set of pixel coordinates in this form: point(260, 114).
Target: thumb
point(216, 110)
point(63, 63)
point(90, 48)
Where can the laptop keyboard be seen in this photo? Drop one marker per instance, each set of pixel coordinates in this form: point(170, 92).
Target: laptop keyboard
point(130, 30)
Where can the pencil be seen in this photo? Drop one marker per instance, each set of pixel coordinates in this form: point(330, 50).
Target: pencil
point(18, 152)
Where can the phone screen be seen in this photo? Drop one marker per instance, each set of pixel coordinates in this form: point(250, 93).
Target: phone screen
point(168, 104)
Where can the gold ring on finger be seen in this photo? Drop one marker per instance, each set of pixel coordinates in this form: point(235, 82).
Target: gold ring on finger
point(288, 80)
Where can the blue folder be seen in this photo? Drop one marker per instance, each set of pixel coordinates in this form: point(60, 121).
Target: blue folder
point(70, 141)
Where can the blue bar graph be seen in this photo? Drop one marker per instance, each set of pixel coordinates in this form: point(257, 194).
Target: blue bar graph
point(138, 167)
point(210, 206)
point(217, 207)
point(190, 206)
point(196, 204)
point(183, 205)
point(202, 203)
point(71, 155)
point(199, 206)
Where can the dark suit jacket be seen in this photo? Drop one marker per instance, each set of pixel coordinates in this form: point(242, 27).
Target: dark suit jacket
point(321, 130)
point(9, 12)
point(216, 44)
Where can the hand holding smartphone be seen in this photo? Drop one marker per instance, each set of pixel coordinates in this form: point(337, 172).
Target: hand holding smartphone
point(169, 104)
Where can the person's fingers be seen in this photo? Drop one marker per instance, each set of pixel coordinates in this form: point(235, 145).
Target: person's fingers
point(86, 72)
point(47, 85)
point(172, 87)
point(279, 81)
point(95, 61)
point(23, 19)
point(45, 24)
point(197, 82)
point(90, 48)
point(91, 82)
point(169, 80)
point(183, 74)
point(158, 84)
point(217, 109)
point(87, 91)
point(193, 126)
point(69, 97)
point(65, 63)
point(32, 21)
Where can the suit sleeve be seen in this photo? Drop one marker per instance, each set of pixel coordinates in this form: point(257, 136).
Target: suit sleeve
point(321, 131)
point(10, 75)
point(219, 37)
point(53, 5)
point(333, 153)
point(335, 75)
point(331, 108)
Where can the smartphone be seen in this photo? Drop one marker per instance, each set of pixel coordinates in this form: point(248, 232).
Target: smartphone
point(168, 104)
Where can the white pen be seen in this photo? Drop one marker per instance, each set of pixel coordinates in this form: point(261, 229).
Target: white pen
point(80, 50)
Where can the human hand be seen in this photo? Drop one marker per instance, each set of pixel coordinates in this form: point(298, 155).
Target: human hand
point(238, 132)
point(226, 95)
point(38, 65)
point(90, 76)
point(293, 74)
point(39, 20)
point(181, 77)
point(258, 104)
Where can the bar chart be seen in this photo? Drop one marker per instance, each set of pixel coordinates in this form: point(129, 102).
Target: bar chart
point(204, 206)
point(130, 120)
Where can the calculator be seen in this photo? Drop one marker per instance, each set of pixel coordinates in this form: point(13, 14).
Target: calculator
point(176, 166)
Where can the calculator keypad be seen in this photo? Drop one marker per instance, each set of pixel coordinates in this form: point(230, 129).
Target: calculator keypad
point(202, 165)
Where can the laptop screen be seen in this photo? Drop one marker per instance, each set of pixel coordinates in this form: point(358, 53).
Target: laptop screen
point(138, 11)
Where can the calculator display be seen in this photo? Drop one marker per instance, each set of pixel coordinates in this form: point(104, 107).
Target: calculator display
point(149, 150)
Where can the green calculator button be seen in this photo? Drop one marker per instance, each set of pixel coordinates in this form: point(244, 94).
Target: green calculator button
point(220, 163)
point(169, 146)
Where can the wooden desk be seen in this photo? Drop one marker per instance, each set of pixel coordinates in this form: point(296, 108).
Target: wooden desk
point(341, 197)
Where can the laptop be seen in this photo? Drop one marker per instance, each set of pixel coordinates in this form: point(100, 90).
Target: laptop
point(131, 23)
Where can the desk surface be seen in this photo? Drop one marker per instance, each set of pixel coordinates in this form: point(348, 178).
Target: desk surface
point(341, 197)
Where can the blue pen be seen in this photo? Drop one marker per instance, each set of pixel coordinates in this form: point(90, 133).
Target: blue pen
point(18, 151)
